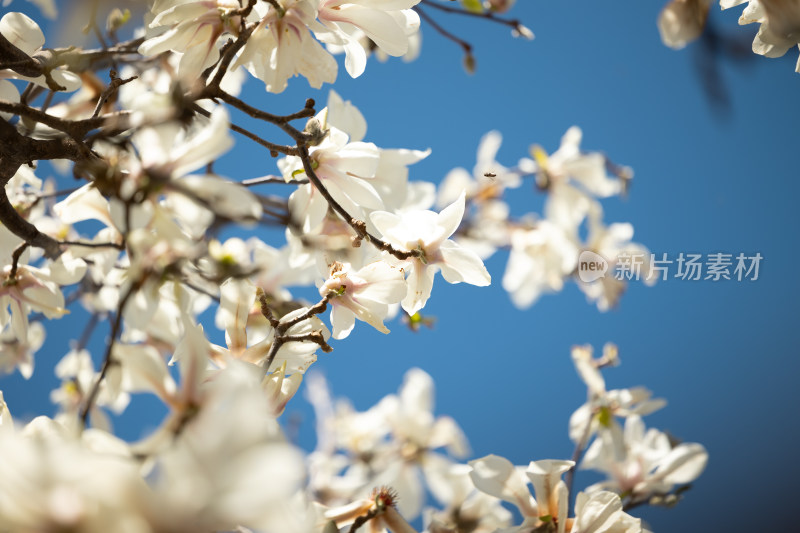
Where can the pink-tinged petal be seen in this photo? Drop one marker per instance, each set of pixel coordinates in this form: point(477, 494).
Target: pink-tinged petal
point(202, 53)
point(497, 477)
point(22, 32)
point(460, 264)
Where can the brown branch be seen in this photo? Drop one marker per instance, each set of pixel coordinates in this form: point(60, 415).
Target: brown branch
point(280, 121)
point(273, 148)
point(514, 24)
point(443, 32)
point(108, 361)
point(12, 274)
point(115, 84)
point(359, 226)
point(77, 129)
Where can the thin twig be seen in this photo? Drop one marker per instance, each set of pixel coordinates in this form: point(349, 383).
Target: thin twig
point(115, 84)
point(488, 15)
point(358, 225)
point(108, 361)
point(444, 33)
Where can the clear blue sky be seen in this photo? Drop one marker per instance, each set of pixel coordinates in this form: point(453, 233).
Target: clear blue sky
point(707, 179)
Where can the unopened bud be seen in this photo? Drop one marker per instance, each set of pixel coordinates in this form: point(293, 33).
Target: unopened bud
point(469, 63)
point(314, 131)
point(117, 18)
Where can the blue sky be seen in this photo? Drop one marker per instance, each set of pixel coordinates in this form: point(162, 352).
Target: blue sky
point(707, 180)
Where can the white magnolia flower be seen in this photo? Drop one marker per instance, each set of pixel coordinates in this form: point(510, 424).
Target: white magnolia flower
point(780, 24)
point(34, 289)
point(345, 168)
point(212, 471)
point(599, 512)
point(237, 301)
point(627, 260)
point(364, 294)
point(21, 31)
point(488, 179)
point(18, 353)
point(428, 232)
point(465, 507)
point(574, 178)
point(281, 46)
point(602, 408)
point(541, 258)
point(416, 433)
point(192, 29)
point(649, 464)
point(54, 482)
point(387, 23)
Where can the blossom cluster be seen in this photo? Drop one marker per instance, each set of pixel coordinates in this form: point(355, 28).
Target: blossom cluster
point(139, 244)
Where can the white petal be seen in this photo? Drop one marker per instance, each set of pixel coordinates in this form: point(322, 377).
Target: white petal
point(497, 477)
point(461, 264)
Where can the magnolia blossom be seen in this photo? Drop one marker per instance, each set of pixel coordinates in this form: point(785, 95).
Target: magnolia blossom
point(598, 512)
point(345, 168)
point(465, 508)
point(53, 481)
point(281, 46)
point(540, 259)
point(600, 411)
point(18, 353)
point(364, 294)
point(192, 28)
point(427, 233)
point(780, 24)
point(387, 23)
point(648, 465)
point(22, 32)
